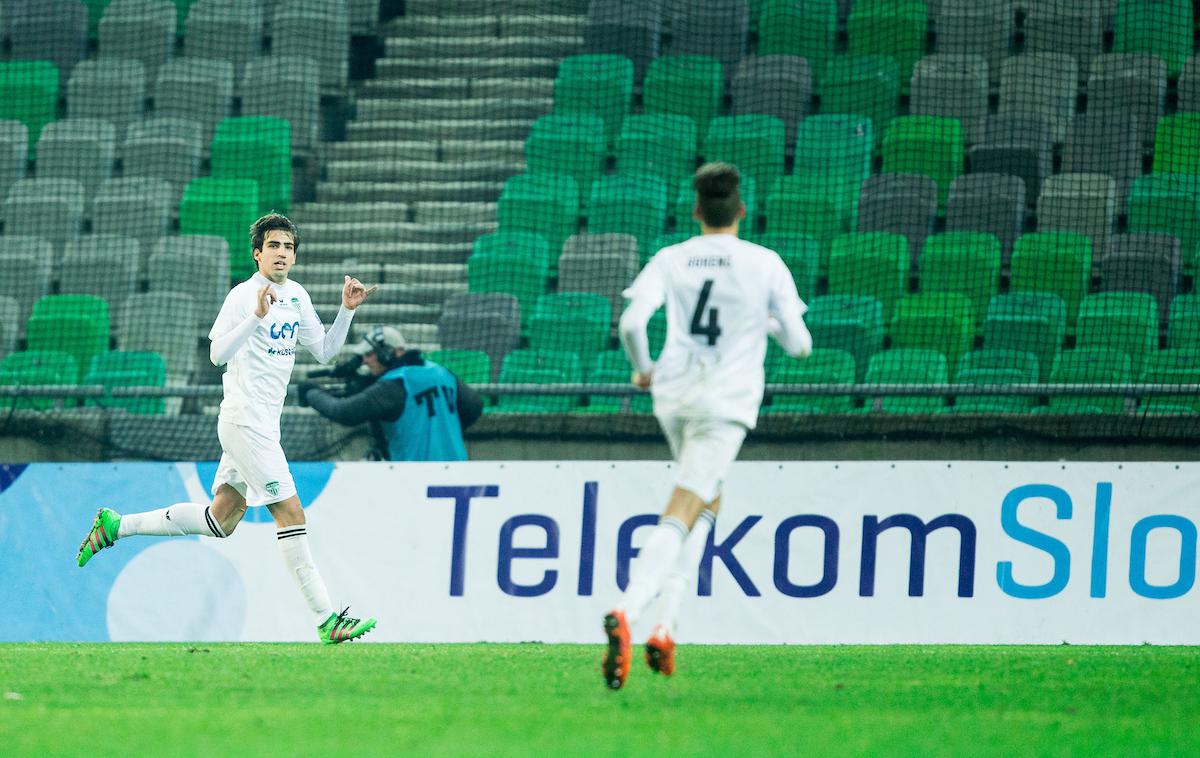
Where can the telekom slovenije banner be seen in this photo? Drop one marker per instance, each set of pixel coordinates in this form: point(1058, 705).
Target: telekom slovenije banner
point(878, 552)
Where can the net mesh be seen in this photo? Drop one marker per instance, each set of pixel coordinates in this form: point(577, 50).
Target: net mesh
point(991, 207)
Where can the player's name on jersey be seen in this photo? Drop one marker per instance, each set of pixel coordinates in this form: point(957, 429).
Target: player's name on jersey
point(708, 261)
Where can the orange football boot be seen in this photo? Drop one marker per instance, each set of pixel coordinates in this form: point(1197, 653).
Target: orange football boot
point(660, 651)
point(616, 657)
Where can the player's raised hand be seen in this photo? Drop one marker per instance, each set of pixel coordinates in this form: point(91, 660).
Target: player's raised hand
point(354, 293)
point(640, 380)
point(266, 296)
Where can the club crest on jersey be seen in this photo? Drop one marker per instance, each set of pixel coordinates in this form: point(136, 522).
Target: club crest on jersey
point(296, 303)
point(284, 331)
point(272, 488)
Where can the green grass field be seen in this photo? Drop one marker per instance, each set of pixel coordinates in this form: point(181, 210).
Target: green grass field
point(548, 700)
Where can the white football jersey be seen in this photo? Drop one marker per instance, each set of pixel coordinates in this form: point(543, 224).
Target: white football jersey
point(257, 378)
point(720, 292)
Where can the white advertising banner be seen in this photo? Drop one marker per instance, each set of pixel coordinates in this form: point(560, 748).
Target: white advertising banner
point(873, 552)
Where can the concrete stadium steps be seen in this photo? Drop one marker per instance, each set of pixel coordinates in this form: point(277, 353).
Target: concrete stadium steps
point(442, 8)
point(442, 67)
point(433, 130)
point(422, 150)
point(382, 253)
point(382, 170)
point(481, 108)
point(422, 212)
point(459, 87)
point(538, 45)
point(368, 192)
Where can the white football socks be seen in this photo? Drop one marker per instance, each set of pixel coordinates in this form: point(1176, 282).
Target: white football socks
point(683, 575)
point(653, 563)
point(174, 521)
point(293, 544)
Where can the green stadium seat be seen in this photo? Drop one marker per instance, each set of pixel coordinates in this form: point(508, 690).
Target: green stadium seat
point(182, 7)
point(889, 27)
point(1084, 366)
point(964, 262)
point(546, 204)
point(908, 366)
point(1172, 367)
point(847, 322)
point(526, 244)
point(1177, 144)
point(1168, 203)
point(813, 205)
point(824, 366)
point(1125, 321)
point(128, 369)
point(36, 367)
point(802, 254)
point(928, 145)
point(940, 321)
point(257, 148)
point(839, 146)
point(514, 271)
point(600, 85)
point(78, 325)
point(95, 13)
point(807, 29)
point(996, 367)
point(1183, 323)
point(685, 204)
point(612, 367)
point(755, 144)
point(574, 322)
point(1027, 321)
point(1157, 27)
point(29, 94)
point(572, 145)
point(1056, 262)
point(224, 208)
point(658, 144)
point(874, 264)
point(686, 85)
point(864, 85)
point(629, 204)
point(538, 367)
point(471, 366)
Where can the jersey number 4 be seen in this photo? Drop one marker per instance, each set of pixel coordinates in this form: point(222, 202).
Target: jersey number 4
point(710, 330)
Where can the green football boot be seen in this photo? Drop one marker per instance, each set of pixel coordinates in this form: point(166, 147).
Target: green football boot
point(342, 628)
point(103, 534)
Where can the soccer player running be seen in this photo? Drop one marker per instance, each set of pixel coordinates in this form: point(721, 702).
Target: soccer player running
point(256, 333)
point(723, 297)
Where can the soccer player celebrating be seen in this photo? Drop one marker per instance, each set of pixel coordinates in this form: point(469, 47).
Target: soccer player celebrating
point(256, 333)
point(723, 297)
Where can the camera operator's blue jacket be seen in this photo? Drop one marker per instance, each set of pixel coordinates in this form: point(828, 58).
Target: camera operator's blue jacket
point(420, 407)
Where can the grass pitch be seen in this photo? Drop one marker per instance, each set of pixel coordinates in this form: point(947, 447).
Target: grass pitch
point(549, 700)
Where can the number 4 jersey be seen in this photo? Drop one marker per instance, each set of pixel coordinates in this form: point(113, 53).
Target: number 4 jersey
point(723, 296)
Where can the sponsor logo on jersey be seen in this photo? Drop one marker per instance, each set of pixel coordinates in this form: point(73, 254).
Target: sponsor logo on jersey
point(284, 352)
point(284, 331)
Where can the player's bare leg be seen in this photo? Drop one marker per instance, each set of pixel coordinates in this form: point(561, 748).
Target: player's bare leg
point(291, 532)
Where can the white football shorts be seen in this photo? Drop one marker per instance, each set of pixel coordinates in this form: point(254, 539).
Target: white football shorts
point(703, 449)
point(253, 464)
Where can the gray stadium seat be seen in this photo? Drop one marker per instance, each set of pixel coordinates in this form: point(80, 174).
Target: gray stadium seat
point(487, 321)
point(992, 203)
point(601, 263)
point(100, 264)
point(1021, 146)
point(135, 207)
point(53, 30)
point(202, 262)
point(226, 30)
point(14, 153)
point(111, 89)
point(1072, 27)
point(141, 30)
point(27, 263)
point(1188, 86)
point(902, 203)
point(164, 148)
point(197, 89)
point(974, 27)
point(626, 27)
point(1040, 86)
point(82, 149)
point(322, 33)
point(294, 84)
point(1150, 263)
point(10, 311)
point(953, 85)
point(717, 28)
point(774, 85)
point(1084, 203)
point(1129, 84)
point(164, 323)
point(47, 208)
point(1104, 144)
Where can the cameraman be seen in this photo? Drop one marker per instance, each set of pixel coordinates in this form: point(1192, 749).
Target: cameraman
point(417, 407)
